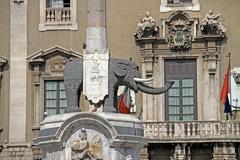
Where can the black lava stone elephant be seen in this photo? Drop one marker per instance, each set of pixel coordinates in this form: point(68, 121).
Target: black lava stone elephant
point(121, 72)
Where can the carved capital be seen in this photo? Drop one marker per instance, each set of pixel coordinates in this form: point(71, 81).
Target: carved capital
point(149, 59)
point(211, 59)
point(18, 2)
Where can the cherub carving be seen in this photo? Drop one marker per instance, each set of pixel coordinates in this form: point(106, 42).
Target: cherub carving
point(211, 24)
point(146, 25)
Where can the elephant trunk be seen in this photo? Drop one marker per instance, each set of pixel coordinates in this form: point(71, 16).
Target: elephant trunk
point(151, 90)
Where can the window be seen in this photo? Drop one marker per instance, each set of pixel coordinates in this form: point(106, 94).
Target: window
point(179, 2)
point(57, 15)
point(181, 98)
point(173, 5)
point(55, 97)
point(57, 3)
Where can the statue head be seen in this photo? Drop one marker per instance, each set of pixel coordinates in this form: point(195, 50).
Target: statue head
point(210, 12)
point(147, 14)
point(83, 134)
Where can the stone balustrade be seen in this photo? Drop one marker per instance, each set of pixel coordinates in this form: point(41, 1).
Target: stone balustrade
point(58, 15)
point(192, 131)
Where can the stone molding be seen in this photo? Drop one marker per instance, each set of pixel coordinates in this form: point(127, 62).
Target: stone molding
point(164, 7)
point(58, 25)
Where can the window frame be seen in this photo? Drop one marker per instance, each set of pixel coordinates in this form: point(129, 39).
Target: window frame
point(181, 78)
point(166, 7)
point(58, 90)
point(43, 78)
point(179, 4)
point(70, 25)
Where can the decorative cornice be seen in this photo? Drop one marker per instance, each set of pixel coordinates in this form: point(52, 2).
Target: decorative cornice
point(42, 55)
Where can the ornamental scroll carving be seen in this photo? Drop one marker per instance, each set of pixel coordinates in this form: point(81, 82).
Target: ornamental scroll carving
point(179, 31)
point(211, 25)
point(146, 27)
point(82, 149)
point(18, 2)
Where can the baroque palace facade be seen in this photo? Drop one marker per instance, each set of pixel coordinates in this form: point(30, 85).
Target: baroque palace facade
point(187, 41)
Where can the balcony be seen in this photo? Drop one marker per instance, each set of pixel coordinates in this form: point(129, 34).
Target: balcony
point(58, 15)
point(192, 131)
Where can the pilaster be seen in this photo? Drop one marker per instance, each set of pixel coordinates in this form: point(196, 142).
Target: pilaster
point(18, 71)
point(211, 81)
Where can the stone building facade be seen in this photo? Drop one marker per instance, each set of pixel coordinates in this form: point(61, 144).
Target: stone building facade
point(182, 40)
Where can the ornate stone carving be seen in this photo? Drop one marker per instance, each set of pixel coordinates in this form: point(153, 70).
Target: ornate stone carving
point(82, 149)
point(211, 25)
point(95, 82)
point(211, 58)
point(18, 2)
point(236, 77)
point(179, 32)
point(57, 64)
point(146, 27)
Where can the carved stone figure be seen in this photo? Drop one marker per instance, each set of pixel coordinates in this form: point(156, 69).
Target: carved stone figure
point(81, 149)
point(179, 32)
point(121, 72)
point(146, 27)
point(211, 24)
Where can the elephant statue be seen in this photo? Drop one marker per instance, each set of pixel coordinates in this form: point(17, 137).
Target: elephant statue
point(121, 72)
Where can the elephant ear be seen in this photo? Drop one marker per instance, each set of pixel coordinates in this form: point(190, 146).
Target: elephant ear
point(121, 69)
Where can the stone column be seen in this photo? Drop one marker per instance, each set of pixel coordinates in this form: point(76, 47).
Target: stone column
point(18, 71)
point(96, 24)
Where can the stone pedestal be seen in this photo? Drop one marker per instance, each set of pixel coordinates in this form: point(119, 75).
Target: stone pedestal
point(223, 151)
point(87, 136)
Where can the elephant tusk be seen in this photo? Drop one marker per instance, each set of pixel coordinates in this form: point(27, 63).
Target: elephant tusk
point(142, 79)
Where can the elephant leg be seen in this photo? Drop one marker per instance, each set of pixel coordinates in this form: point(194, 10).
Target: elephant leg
point(72, 88)
point(110, 101)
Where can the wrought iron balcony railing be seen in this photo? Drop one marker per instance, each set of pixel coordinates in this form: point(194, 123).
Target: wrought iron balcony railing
point(192, 131)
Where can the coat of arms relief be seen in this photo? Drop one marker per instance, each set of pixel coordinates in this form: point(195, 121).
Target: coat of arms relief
point(179, 32)
point(179, 29)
